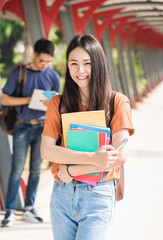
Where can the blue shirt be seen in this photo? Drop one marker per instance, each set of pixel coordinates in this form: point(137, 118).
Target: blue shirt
point(44, 80)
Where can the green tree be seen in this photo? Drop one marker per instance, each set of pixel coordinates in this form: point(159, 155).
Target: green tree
point(57, 37)
point(10, 33)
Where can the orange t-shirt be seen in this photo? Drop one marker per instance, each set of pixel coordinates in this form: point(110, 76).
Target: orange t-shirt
point(121, 120)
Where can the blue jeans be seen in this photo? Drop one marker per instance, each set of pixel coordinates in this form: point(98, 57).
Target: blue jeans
point(24, 135)
point(82, 212)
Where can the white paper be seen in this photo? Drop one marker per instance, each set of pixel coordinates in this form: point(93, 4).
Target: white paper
point(36, 98)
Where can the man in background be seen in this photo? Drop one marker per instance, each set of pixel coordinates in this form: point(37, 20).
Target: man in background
point(28, 128)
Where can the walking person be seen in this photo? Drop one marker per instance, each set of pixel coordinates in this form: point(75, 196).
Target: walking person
point(80, 211)
point(28, 128)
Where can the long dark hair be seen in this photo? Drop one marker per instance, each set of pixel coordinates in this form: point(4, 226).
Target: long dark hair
point(99, 87)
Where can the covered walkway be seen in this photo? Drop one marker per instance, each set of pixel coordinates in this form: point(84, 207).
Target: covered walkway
point(140, 214)
point(131, 33)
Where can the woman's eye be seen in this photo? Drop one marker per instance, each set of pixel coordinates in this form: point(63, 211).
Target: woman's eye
point(87, 63)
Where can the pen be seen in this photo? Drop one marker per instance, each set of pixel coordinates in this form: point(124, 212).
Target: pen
point(122, 143)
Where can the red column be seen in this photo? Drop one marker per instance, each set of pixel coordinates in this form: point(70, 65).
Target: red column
point(16, 7)
point(50, 15)
point(2, 2)
point(81, 21)
point(120, 22)
point(107, 18)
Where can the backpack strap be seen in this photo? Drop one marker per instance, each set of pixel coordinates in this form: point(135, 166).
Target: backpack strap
point(22, 80)
point(112, 107)
point(22, 74)
point(59, 140)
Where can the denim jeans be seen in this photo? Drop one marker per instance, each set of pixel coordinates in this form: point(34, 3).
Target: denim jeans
point(82, 212)
point(24, 135)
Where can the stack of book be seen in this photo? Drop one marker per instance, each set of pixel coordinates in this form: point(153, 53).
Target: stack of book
point(86, 132)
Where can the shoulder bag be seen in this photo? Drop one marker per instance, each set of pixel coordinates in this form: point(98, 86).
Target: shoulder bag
point(9, 115)
point(119, 192)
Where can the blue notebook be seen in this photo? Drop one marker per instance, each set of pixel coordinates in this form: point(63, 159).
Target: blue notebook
point(49, 94)
point(91, 128)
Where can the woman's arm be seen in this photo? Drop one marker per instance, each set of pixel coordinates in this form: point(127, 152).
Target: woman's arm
point(62, 155)
point(114, 159)
point(117, 138)
point(8, 100)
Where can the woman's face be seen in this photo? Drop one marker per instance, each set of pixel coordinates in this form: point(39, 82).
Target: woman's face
point(79, 64)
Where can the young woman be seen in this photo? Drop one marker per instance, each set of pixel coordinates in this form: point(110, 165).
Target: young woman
point(80, 211)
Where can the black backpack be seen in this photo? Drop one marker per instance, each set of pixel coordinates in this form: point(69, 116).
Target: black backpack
point(8, 114)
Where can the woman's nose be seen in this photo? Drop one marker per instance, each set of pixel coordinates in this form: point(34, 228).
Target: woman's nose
point(81, 68)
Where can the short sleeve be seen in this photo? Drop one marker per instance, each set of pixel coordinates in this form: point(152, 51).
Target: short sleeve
point(12, 82)
point(122, 118)
point(52, 127)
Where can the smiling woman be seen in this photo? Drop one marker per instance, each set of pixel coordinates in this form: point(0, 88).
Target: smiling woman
point(79, 210)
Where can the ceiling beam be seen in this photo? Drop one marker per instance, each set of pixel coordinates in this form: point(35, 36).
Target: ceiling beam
point(131, 4)
point(125, 13)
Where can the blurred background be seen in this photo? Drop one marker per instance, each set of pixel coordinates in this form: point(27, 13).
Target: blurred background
point(131, 33)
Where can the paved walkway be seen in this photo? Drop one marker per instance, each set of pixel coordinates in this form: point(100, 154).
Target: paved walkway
point(140, 214)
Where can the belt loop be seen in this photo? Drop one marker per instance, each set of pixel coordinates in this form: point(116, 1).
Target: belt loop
point(31, 121)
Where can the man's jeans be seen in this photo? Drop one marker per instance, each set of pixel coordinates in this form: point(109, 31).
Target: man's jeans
point(82, 212)
point(24, 135)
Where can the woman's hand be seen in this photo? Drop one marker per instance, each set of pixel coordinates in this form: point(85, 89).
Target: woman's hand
point(105, 157)
point(63, 174)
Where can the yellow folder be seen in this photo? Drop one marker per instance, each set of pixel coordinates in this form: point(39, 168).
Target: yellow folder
point(96, 118)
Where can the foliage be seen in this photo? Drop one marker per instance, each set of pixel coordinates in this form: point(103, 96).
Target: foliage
point(11, 33)
point(59, 64)
point(141, 82)
point(56, 36)
point(11, 30)
point(3, 82)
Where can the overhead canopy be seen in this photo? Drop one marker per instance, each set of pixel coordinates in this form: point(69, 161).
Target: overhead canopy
point(140, 21)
